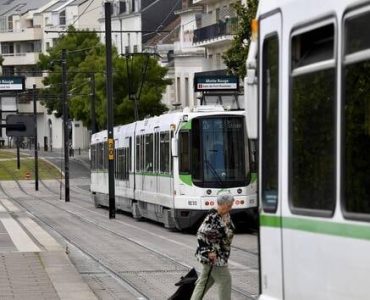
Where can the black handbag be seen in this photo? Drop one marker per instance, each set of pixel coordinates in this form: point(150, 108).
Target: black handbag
point(186, 286)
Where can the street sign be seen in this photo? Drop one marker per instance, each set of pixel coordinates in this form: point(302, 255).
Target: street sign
point(12, 83)
point(20, 125)
point(216, 83)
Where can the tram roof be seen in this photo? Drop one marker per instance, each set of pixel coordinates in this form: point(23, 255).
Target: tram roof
point(164, 121)
point(303, 9)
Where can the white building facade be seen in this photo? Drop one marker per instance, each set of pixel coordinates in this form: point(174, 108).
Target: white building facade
point(206, 32)
point(24, 27)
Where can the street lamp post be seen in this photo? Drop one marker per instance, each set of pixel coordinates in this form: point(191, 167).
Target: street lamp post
point(109, 89)
point(65, 125)
point(92, 104)
point(35, 138)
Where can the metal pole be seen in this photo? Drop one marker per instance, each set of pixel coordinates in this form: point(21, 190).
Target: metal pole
point(65, 125)
point(109, 90)
point(35, 138)
point(18, 156)
point(17, 139)
point(92, 105)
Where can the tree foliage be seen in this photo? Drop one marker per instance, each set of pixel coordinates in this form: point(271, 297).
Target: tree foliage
point(236, 56)
point(86, 58)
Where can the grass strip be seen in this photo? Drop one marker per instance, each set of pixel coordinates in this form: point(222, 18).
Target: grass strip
point(9, 171)
point(4, 154)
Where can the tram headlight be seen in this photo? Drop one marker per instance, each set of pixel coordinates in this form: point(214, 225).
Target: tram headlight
point(239, 191)
point(209, 192)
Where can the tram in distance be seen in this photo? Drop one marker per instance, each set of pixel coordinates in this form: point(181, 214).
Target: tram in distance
point(313, 93)
point(170, 168)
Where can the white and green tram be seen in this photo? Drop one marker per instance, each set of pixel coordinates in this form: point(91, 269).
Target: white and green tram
point(170, 168)
point(313, 97)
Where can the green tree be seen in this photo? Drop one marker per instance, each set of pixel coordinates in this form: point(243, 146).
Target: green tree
point(86, 58)
point(80, 44)
point(236, 56)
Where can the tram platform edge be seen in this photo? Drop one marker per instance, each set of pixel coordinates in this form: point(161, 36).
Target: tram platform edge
point(33, 265)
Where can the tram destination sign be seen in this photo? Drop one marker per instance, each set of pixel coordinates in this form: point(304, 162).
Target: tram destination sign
point(12, 83)
point(216, 83)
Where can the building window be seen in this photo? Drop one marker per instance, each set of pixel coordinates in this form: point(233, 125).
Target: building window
point(187, 100)
point(178, 88)
point(62, 18)
point(7, 48)
point(122, 7)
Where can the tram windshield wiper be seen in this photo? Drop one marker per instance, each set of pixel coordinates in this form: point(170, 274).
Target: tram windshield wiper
point(214, 172)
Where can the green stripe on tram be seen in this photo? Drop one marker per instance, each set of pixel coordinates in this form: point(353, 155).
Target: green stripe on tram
point(186, 179)
point(186, 125)
point(253, 177)
point(315, 226)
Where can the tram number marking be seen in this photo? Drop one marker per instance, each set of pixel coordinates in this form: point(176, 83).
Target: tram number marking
point(192, 202)
point(110, 149)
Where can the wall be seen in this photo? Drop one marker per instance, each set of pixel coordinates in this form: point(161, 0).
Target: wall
point(185, 67)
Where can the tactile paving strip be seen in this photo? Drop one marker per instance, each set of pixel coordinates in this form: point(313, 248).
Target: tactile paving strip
point(22, 276)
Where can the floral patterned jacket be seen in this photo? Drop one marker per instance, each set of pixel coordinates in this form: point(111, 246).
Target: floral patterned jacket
point(215, 235)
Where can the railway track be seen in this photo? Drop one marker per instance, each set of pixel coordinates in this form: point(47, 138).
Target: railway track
point(81, 213)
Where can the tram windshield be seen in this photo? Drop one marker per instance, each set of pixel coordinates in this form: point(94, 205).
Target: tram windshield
point(218, 151)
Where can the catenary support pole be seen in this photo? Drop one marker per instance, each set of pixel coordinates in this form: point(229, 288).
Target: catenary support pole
point(109, 91)
point(92, 104)
point(65, 125)
point(35, 138)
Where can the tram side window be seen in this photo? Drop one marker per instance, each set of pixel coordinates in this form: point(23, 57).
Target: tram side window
point(97, 156)
point(142, 154)
point(156, 152)
point(164, 152)
point(138, 158)
point(129, 156)
point(120, 163)
point(92, 161)
point(356, 112)
point(149, 152)
point(116, 162)
point(312, 122)
point(270, 123)
point(105, 157)
point(100, 156)
point(125, 163)
point(184, 153)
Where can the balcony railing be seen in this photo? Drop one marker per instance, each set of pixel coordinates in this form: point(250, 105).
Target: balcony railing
point(24, 34)
point(29, 58)
point(215, 31)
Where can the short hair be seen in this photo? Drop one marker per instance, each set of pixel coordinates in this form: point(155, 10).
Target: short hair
point(225, 199)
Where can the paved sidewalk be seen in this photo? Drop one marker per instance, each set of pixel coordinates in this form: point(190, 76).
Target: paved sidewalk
point(33, 265)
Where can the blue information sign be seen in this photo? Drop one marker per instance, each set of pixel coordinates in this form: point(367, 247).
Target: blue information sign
point(216, 83)
point(12, 83)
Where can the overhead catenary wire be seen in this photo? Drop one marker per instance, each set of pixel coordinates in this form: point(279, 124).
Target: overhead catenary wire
point(164, 20)
point(83, 12)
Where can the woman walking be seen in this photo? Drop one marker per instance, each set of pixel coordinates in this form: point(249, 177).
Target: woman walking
point(214, 240)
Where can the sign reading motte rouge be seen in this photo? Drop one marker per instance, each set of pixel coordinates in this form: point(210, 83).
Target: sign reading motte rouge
point(12, 83)
point(216, 83)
